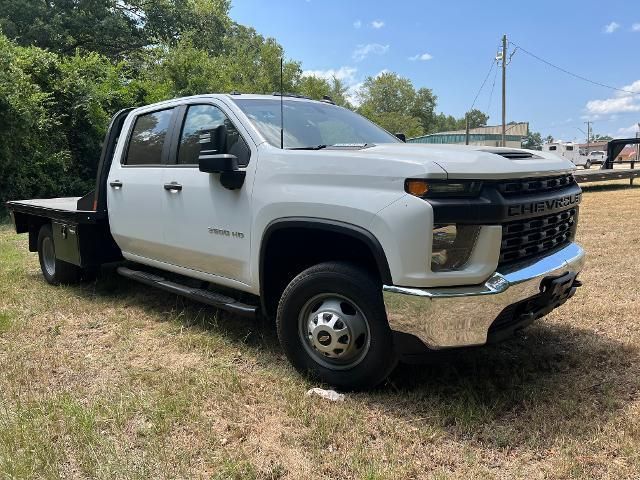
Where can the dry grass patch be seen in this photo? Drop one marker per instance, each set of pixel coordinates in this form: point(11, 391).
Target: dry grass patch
point(115, 380)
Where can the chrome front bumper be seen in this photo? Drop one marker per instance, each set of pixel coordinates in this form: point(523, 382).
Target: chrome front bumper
point(461, 316)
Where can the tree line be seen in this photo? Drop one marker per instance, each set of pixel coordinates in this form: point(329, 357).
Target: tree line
point(67, 66)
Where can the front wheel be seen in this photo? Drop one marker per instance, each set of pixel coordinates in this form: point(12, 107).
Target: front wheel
point(587, 165)
point(332, 325)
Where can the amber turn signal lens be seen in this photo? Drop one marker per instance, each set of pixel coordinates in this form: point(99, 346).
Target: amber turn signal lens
point(417, 188)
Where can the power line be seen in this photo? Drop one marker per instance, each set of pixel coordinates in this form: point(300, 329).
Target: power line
point(585, 79)
point(495, 76)
point(493, 62)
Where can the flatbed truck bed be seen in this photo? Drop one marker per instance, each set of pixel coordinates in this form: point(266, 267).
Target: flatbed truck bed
point(604, 175)
point(62, 209)
point(82, 237)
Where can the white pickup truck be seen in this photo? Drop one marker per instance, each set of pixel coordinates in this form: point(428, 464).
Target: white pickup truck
point(366, 250)
point(597, 156)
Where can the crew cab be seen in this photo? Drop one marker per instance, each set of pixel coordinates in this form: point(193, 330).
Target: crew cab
point(364, 249)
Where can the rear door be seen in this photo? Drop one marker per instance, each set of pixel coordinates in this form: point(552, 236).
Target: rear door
point(135, 192)
point(207, 227)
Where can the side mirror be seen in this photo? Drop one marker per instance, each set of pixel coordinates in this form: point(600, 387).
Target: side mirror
point(227, 166)
point(220, 163)
point(402, 137)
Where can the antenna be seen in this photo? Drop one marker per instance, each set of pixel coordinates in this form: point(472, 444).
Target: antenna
point(281, 105)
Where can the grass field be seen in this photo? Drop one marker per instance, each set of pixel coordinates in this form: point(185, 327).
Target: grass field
point(116, 380)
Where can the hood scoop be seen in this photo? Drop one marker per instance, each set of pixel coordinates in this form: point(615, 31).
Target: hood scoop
point(511, 154)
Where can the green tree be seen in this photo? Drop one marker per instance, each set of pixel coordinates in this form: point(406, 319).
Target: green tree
point(113, 27)
point(390, 101)
point(53, 115)
point(423, 108)
point(313, 87)
point(445, 123)
point(31, 146)
point(338, 92)
point(533, 141)
point(251, 62)
point(316, 87)
point(476, 119)
point(601, 138)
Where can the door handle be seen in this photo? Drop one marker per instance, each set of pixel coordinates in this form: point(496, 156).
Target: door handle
point(117, 184)
point(173, 187)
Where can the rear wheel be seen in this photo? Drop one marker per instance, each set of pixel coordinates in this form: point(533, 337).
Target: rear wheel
point(54, 271)
point(332, 325)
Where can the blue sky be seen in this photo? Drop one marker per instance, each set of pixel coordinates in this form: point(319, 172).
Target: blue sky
point(449, 47)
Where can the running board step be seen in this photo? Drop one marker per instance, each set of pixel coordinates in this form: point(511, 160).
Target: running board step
point(204, 296)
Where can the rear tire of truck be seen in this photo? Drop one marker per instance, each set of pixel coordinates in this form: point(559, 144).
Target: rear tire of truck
point(55, 271)
point(332, 326)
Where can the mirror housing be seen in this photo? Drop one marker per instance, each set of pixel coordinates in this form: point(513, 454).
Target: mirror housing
point(220, 163)
point(402, 137)
point(226, 165)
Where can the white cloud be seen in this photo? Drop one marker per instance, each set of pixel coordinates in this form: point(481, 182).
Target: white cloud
point(628, 131)
point(357, 23)
point(621, 102)
point(421, 56)
point(363, 51)
point(635, 27)
point(612, 27)
point(377, 24)
point(612, 105)
point(346, 74)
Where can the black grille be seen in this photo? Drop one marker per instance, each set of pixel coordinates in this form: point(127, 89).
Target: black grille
point(524, 239)
point(534, 185)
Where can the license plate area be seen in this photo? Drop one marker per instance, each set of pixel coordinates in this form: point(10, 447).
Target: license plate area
point(558, 289)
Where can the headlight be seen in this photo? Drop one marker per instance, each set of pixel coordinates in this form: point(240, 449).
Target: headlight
point(442, 189)
point(452, 246)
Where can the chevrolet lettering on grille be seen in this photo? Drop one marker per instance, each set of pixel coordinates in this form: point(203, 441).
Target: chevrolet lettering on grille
point(544, 206)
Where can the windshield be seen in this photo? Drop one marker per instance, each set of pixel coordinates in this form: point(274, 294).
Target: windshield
point(311, 124)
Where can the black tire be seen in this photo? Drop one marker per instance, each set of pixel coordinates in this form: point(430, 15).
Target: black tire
point(356, 286)
point(55, 271)
point(587, 165)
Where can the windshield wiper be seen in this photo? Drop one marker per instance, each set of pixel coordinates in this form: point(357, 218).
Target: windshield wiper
point(316, 147)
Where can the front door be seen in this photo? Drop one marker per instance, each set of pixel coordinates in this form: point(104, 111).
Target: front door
point(135, 191)
point(207, 227)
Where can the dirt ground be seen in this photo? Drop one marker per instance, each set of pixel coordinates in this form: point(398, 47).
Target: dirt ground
point(115, 380)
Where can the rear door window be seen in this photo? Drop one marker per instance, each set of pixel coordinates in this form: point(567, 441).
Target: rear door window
point(148, 138)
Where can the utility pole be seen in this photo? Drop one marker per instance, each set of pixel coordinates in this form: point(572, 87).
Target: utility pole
point(588, 135)
point(633, 164)
point(504, 90)
point(638, 145)
point(466, 137)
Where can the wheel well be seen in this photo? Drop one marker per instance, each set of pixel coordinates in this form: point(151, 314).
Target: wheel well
point(288, 250)
point(33, 224)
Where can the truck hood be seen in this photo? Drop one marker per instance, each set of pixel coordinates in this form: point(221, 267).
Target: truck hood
point(473, 162)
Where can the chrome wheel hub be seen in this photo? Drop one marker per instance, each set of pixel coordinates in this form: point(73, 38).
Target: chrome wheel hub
point(334, 331)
